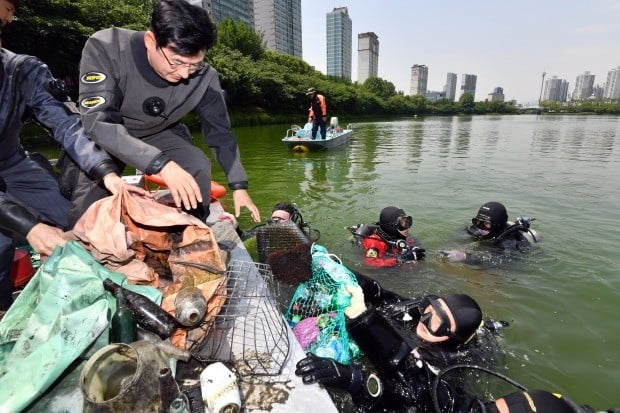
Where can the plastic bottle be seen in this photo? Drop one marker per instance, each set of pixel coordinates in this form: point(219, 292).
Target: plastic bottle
point(123, 324)
point(147, 314)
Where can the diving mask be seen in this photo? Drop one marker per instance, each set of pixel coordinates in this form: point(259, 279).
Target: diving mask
point(444, 327)
point(404, 223)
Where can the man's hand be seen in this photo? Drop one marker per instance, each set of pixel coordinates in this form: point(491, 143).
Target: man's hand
point(114, 183)
point(44, 238)
point(182, 186)
point(242, 198)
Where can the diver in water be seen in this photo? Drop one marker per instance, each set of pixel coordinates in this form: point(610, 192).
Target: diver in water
point(281, 212)
point(388, 242)
point(492, 228)
point(442, 331)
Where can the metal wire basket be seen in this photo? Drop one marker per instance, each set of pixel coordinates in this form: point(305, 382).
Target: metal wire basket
point(248, 331)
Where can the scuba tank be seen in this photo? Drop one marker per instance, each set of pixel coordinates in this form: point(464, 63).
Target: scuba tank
point(521, 224)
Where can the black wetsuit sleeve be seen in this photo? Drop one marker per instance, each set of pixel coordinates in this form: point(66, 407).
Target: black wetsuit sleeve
point(218, 136)
point(15, 218)
point(379, 340)
point(374, 293)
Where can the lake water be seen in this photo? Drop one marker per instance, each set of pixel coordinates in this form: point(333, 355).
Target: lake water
point(562, 298)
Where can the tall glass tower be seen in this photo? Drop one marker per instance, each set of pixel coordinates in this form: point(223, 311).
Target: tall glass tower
point(239, 10)
point(280, 23)
point(339, 43)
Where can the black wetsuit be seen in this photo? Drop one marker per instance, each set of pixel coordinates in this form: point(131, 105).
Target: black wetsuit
point(134, 114)
point(405, 366)
point(30, 194)
point(511, 239)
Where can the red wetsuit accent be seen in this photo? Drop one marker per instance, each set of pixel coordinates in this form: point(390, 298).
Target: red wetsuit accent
point(378, 253)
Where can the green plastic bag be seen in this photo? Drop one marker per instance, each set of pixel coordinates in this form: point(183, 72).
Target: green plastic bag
point(60, 313)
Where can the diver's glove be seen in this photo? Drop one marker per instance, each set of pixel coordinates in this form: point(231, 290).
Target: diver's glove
point(452, 255)
point(414, 254)
point(328, 372)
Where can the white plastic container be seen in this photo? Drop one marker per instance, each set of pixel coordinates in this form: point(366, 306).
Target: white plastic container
point(220, 391)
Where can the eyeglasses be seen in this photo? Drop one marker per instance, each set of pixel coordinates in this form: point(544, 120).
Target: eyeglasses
point(481, 224)
point(176, 65)
point(404, 223)
point(444, 327)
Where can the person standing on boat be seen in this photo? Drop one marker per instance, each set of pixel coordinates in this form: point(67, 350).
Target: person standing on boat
point(135, 87)
point(388, 242)
point(31, 204)
point(497, 236)
point(317, 113)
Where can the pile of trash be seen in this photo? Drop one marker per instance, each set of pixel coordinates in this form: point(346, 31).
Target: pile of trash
point(135, 263)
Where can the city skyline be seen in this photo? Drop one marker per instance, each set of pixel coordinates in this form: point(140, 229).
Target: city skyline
point(505, 45)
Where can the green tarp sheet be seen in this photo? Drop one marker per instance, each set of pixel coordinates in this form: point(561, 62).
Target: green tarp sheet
point(60, 313)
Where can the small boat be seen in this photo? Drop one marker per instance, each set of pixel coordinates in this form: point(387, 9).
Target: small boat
point(300, 139)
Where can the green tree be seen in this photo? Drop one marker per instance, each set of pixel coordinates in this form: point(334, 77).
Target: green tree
point(55, 30)
point(466, 103)
point(239, 36)
point(380, 87)
point(419, 104)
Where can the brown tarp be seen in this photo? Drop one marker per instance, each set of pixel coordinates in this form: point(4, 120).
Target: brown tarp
point(151, 243)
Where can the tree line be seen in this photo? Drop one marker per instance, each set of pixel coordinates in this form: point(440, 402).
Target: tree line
point(257, 81)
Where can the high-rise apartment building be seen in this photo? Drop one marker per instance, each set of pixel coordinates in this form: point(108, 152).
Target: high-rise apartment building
point(555, 89)
point(598, 91)
point(339, 43)
point(367, 56)
point(419, 79)
point(468, 84)
point(450, 87)
point(280, 23)
point(612, 87)
point(239, 10)
point(497, 95)
point(583, 86)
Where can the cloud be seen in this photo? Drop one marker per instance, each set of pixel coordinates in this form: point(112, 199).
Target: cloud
point(615, 7)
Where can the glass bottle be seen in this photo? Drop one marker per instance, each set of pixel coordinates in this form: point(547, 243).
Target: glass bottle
point(147, 314)
point(123, 324)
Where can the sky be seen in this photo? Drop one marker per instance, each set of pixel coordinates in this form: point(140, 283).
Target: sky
point(505, 43)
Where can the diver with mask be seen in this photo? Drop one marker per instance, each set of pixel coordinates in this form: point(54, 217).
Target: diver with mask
point(388, 241)
point(491, 228)
point(407, 343)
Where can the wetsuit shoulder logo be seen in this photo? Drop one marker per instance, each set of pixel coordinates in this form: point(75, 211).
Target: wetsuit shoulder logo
point(93, 77)
point(92, 102)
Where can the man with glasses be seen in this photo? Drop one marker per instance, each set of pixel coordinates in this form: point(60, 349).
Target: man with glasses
point(403, 370)
point(135, 87)
point(496, 234)
point(388, 242)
